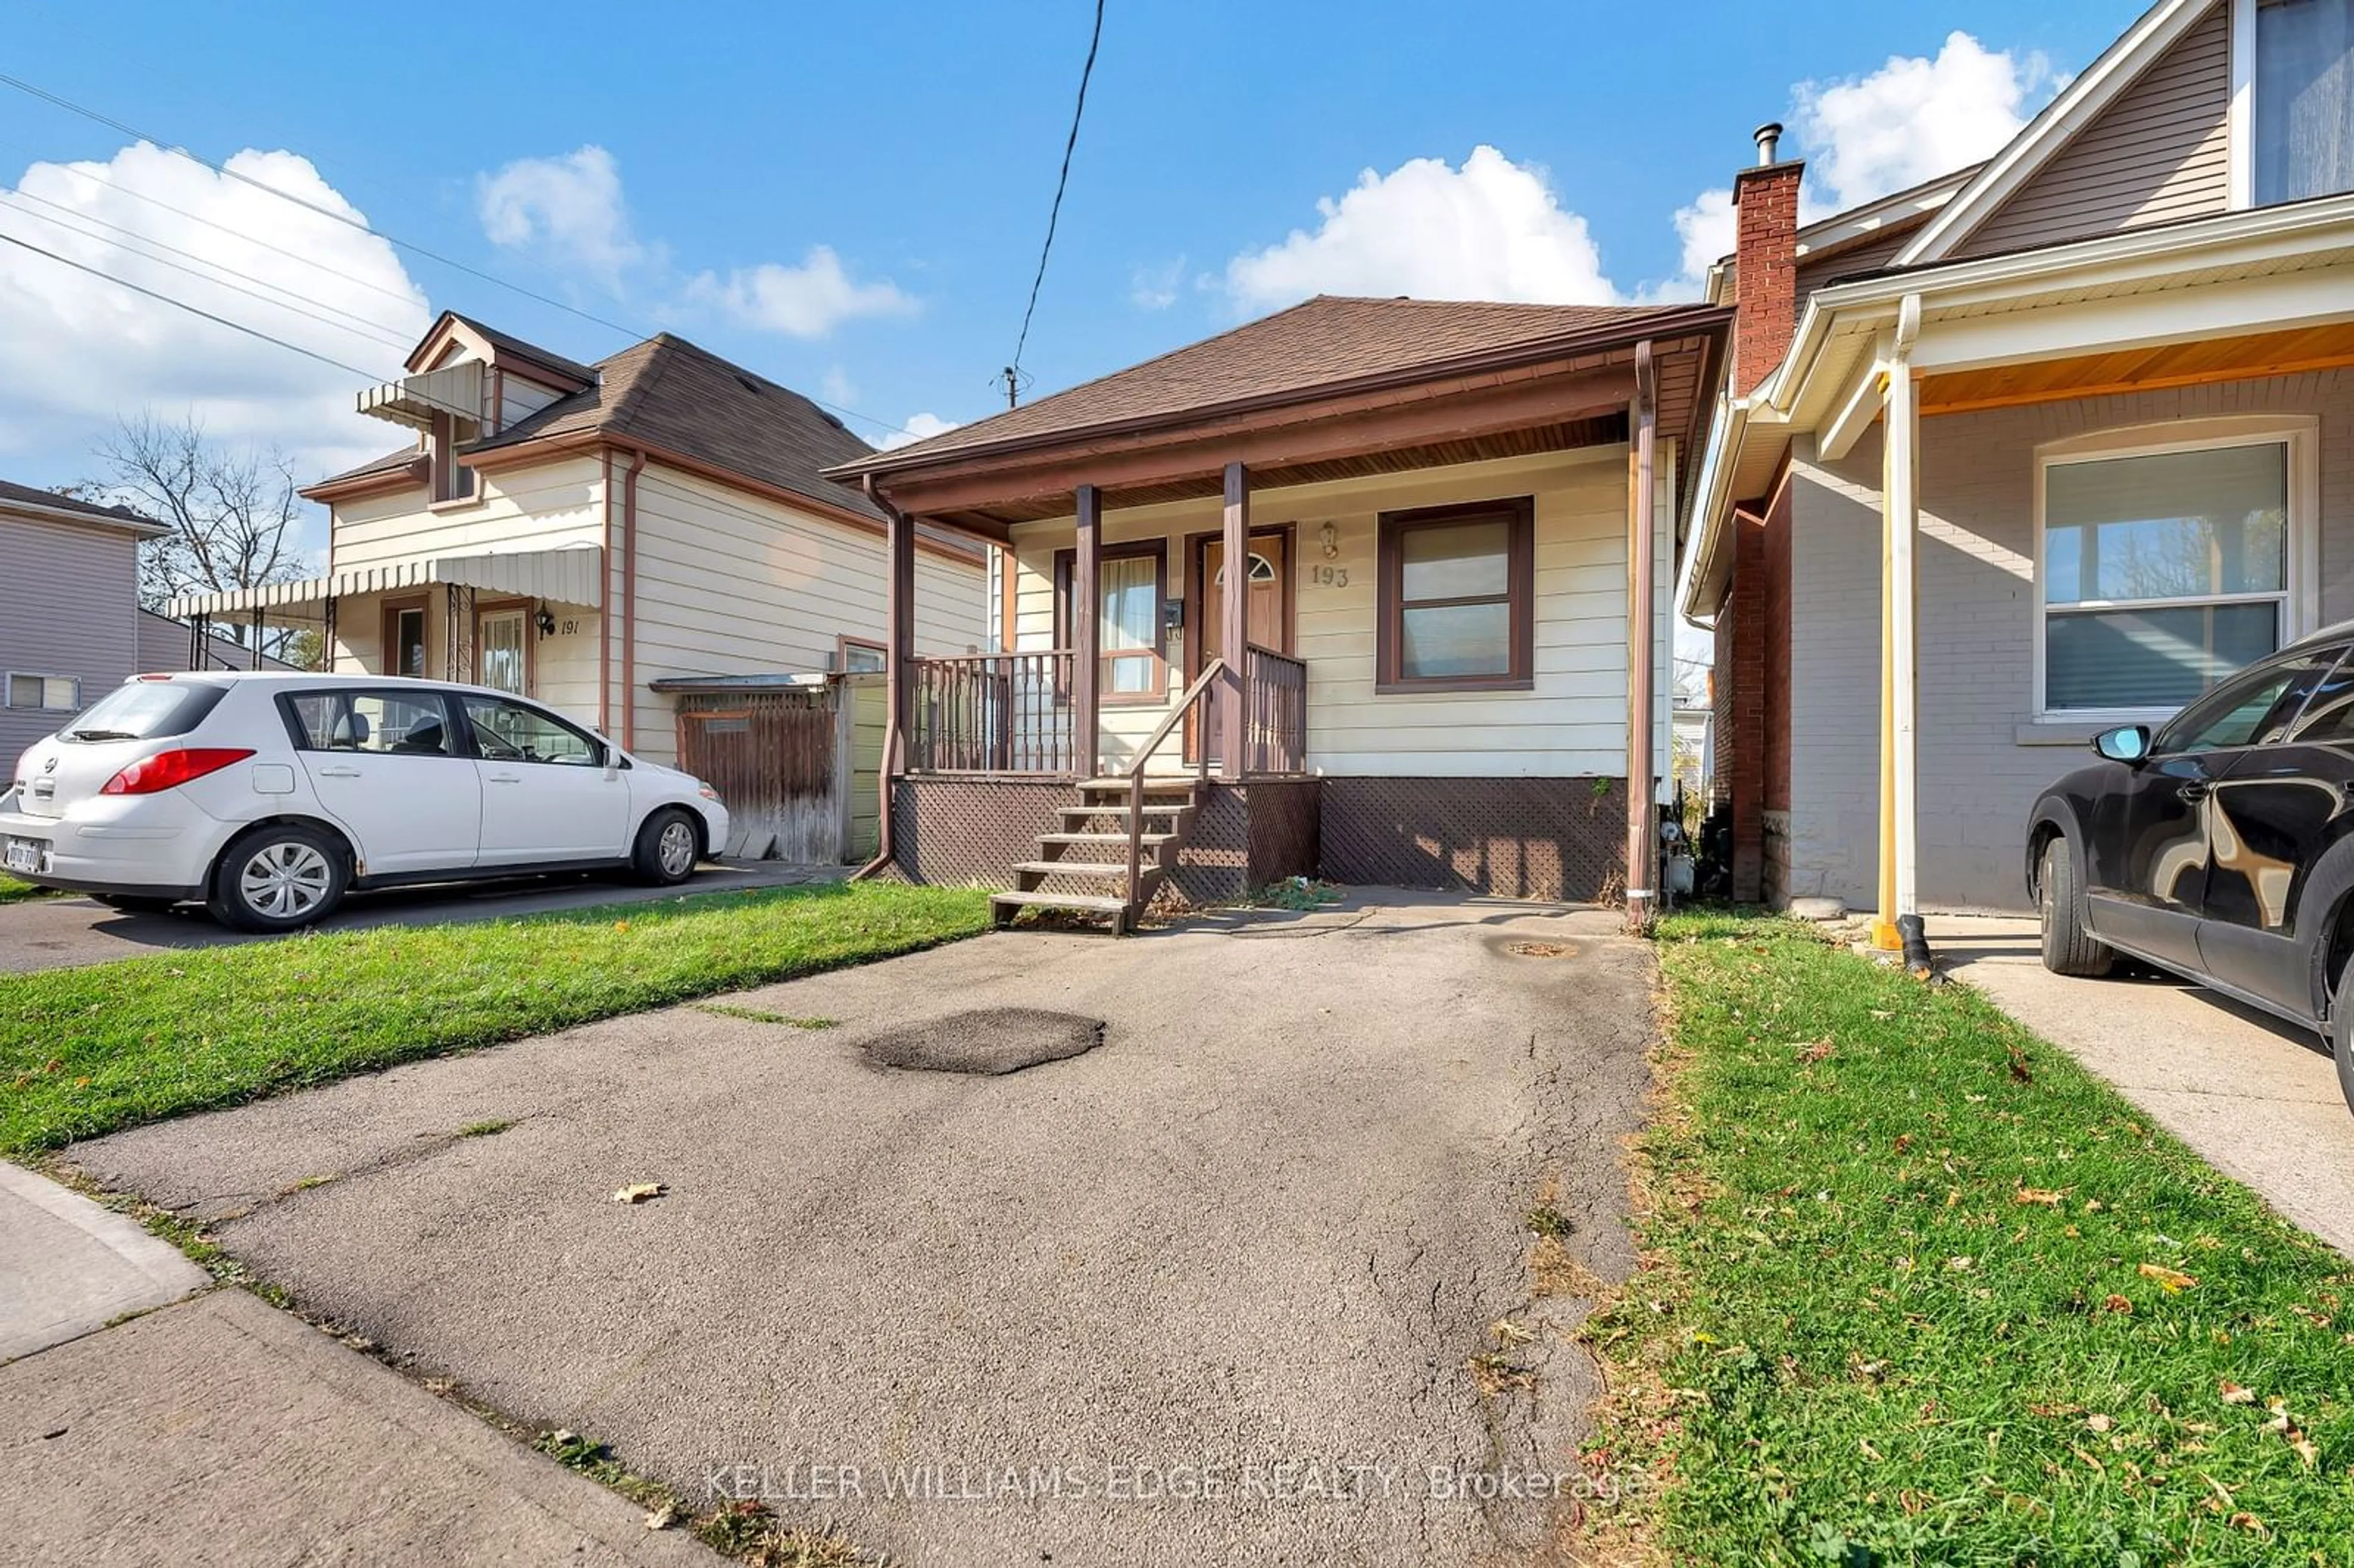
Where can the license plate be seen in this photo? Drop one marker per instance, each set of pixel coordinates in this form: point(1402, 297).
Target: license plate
point(25, 855)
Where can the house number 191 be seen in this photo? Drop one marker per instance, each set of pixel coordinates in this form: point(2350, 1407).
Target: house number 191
point(1328, 577)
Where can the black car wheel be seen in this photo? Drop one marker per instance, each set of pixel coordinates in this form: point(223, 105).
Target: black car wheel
point(2068, 947)
point(279, 877)
point(2341, 1034)
point(667, 849)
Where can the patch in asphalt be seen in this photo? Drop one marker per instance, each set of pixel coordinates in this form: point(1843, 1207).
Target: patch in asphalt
point(989, 1042)
point(1522, 948)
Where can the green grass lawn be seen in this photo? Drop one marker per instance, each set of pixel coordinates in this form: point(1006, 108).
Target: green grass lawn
point(1919, 1289)
point(87, 1051)
point(14, 892)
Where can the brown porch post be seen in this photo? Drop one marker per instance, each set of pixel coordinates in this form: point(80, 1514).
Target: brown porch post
point(1642, 538)
point(899, 633)
point(1234, 621)
point(1087, 633)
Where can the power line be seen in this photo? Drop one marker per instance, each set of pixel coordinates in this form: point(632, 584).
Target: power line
point(1054, 213)
point(364, 327)
point(362, 225)
point(183, 305)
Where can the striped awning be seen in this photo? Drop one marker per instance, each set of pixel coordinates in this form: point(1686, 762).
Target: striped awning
point(454, 389)
point(574, 577)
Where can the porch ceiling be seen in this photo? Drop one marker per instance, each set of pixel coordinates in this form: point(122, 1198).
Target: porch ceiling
point(2290, 352)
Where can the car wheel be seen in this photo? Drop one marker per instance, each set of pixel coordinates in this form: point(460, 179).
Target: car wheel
point(131, 904)
point(278, 878)
point(668, 846)
point(2068, 947)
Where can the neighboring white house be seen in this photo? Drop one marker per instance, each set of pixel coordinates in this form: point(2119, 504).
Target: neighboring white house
point(70, 622)
point(576, 533)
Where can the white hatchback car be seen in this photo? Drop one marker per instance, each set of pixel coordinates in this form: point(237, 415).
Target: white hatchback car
point(269, 796)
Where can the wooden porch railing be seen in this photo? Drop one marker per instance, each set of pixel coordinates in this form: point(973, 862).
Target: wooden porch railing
point(992, 713)
point(1275, 712)
point(1211, 670)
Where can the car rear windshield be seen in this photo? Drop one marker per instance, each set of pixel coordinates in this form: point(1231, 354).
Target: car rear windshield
point(145, 710)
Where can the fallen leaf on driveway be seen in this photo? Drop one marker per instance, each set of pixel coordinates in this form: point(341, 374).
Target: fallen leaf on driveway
point(639, 1192)
point(664, 1516)
point(2172, 1279)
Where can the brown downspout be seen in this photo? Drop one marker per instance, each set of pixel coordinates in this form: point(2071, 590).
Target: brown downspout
point(605, 618)
point(630, 594)
point(898, 527)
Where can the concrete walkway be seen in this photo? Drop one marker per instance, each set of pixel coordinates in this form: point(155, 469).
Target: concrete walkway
point(2256, 1096)
point(1213, 1291)
point(68, 1268)
point(62, 933)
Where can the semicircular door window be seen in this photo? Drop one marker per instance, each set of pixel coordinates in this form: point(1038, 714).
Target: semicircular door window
point(1262, 570)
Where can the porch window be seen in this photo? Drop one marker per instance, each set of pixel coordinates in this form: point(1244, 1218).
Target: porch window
point(1456, 585)
point(1130, 583)
point(2304, 109)
point(2163, 573)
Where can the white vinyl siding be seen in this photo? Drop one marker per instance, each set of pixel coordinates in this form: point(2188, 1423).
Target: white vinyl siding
point(2160, 152)
point(1574, 722)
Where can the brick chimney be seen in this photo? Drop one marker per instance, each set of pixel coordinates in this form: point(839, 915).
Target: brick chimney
point(1765, 262)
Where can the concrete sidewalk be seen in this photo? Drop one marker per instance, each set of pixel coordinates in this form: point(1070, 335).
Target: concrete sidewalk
point(2256, 1096)
point(216, 1429)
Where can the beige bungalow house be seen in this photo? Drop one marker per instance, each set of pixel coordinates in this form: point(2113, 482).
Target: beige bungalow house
point(1371, 590)
point(605, 537)
point(2051, 445)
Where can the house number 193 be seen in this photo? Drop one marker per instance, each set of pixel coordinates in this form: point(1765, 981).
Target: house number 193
point(1328, 577)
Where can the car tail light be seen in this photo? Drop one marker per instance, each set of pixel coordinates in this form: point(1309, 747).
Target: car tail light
point(170, 769)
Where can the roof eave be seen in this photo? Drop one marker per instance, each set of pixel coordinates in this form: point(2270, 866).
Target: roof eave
point(1680, 321)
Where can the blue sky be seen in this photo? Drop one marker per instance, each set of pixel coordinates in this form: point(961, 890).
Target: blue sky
point(852, 202)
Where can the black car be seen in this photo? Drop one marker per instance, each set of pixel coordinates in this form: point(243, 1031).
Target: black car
point(2221, 847)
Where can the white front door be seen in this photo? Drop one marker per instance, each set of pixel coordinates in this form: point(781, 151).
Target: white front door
point(499, 659)
point(547, 795)
point(386, 765)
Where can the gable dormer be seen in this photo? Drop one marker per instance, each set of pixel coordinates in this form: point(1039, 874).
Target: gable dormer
point(467, 381)
point(2202, 108)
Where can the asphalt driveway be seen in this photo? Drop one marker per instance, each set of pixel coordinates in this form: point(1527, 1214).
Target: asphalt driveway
point(1249, 1281)
point(2256, 1096)
point(65, 932)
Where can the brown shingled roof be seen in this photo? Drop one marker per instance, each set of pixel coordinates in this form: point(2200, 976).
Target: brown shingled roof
point(29, 496)
point(670, 393)
point(1325, 342)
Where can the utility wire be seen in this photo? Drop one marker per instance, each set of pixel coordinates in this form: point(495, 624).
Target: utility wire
point(183, 305)
point(361, 226)
point(1054, 213)
point(359, 326)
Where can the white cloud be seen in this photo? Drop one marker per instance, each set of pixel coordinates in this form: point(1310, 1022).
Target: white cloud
point(569, 209)
point(1155, 287)
point(917, 427)
point(807, 301)
point(1493, 229)
point(1914, 119)
point(76, 351)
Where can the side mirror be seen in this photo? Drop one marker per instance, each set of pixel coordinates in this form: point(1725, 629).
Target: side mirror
point(2126, 743)
point(609, 756)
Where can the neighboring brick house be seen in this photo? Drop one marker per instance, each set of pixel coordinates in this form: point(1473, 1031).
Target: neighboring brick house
point(2077, 425)
point(70, 622)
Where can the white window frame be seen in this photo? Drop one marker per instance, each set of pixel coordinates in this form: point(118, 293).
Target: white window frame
point(9, 691)
point(2240, 114)
point(2301, 595)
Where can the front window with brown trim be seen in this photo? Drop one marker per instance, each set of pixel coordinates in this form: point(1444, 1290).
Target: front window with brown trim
point(1131, 585)
point(452, 480)
point(1458, 586)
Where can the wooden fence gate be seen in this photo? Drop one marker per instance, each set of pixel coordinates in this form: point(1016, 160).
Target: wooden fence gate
point(792, 763)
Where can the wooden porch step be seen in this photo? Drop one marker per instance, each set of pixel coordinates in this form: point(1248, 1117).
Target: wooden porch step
point(1095, 868)
point(1002, 906)
point(1119, 808)
point(1153, 784)
point(1146, 841)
